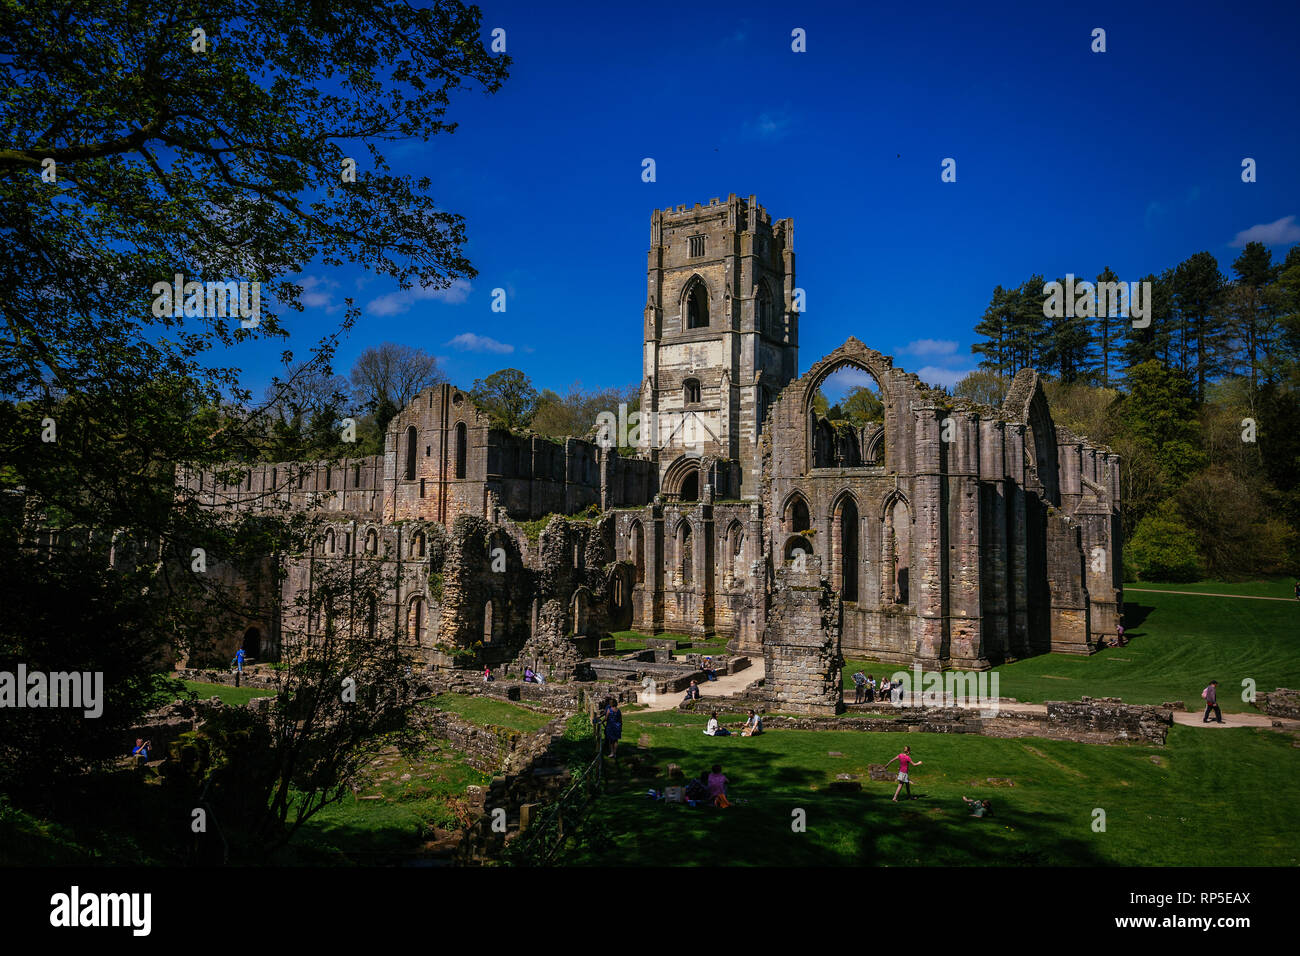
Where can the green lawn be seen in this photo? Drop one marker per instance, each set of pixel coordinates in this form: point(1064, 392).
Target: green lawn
point(392, 816)
point(1274, 587)
point(1179, 643)
point(235, 696)
point(627, 641)
point(1208, 798)
point(490, 711)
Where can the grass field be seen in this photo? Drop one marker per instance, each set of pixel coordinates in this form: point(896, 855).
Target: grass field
point(1208, 797)
point(1178, 643)
point(234, 696)
point(487, 711)
point(627, 641)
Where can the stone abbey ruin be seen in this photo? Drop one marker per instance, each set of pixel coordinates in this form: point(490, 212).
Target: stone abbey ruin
point(947, 533)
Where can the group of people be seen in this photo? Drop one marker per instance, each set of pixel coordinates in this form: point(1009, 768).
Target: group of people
point(868, 689)
point(753, 726)
point(710, 788)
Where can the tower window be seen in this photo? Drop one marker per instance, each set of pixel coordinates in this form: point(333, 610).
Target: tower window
point(691, 391)
point(696, 246)
point(697, 307)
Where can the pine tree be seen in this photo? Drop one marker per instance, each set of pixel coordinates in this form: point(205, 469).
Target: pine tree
point(1198, 296)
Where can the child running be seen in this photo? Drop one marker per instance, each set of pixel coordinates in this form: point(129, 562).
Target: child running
point(905, 762)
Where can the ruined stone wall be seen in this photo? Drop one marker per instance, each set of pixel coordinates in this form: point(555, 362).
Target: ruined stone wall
point(801, 646)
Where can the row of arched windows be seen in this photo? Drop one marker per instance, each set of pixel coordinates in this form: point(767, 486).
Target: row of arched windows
point(695, 307)
point(341, 543)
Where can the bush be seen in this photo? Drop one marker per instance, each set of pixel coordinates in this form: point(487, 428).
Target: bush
point(1163, 549)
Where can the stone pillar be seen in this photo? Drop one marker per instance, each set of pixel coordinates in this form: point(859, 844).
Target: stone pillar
point(965, 641)
point(801, 644)
point(929, 539)
point(1017, 535)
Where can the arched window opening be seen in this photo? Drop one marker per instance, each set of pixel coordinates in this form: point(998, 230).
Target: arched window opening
point(691, 391)
point(796, 546)
point(372, 541)
point(764, 310)
point(461, 449)
point(844, 541)
point(579, 609)
point(415, 619)
point(488, 623)
point(329, 542)
point(691, 487)
point(796, 517)
point(328, 476)
point(636, 549)
point(685, 555)
point(697, 307)
point(417, 545)
point(896, 560)
point(410, 453)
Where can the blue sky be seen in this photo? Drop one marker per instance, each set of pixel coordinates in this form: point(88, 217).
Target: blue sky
point(1067, 161)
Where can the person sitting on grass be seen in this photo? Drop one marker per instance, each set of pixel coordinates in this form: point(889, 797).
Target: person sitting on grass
point(978, 808)
point(718, 787)
point(697, 788)
point(714, 729)
point(753, 726)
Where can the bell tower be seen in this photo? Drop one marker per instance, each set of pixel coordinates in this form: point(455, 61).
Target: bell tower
point(721, 333)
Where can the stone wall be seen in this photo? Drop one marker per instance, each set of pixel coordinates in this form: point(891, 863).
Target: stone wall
point(1282, 702)
point(801, 647)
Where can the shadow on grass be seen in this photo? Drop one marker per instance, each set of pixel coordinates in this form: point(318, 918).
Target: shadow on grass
point(627, 828)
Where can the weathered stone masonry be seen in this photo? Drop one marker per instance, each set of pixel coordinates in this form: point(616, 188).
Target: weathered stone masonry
point(948, 533)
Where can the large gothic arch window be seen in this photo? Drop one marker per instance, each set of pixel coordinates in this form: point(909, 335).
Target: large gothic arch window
point(685, 555)
point(844, 544)
point(695, 305)
point(896, 556)
point(636, 549)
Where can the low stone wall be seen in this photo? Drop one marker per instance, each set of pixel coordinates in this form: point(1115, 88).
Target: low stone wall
point(485, 748)
point(260, 680)
point(1282, 702)
point(1106, 721)
point(553, 698)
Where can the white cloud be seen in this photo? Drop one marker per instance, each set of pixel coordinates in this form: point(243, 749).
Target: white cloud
point(1280, 233)
point(947, 377)
point(316, 293)
point(932, 347)
point(395, 303)
point(469, 342)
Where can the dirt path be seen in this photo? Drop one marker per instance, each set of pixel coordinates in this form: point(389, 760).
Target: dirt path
point(724, 686)
point(1248, 597)
point(1181, 717)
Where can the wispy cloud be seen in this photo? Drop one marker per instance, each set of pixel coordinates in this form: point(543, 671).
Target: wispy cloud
point(929, 347)
point(469, 342)
point(317, 293)
point(1280, 233)
point(395, 303)
point(769, 125)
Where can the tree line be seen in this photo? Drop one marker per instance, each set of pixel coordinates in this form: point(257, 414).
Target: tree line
point(1201, 399)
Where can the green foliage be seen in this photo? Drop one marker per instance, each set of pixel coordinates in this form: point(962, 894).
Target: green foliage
point(1163, 548)
point(508, 397)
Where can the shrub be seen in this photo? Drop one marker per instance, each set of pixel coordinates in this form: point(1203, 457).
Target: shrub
point(1163, 548)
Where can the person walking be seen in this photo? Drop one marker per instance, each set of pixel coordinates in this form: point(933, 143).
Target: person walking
point(1211, 697)
point(905, 763)
point(239, 660)
point(613, 726)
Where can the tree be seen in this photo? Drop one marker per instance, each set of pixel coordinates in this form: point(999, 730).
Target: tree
point(1252, 303)
point(508, 396)
point(575, 414)
point(862, 406)
point(1198, 289)
point(1109, 323)
point(986, 387)
point(1163, 548)
point(224, 158)
point(393, 374)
